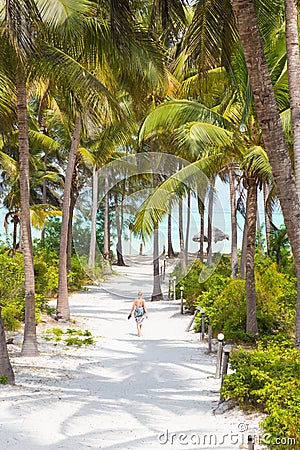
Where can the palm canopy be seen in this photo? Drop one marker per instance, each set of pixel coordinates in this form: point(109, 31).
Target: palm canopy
point(192, 177)
point(192, 127)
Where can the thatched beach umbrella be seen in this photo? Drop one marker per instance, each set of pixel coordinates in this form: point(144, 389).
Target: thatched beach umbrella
point(217, 235)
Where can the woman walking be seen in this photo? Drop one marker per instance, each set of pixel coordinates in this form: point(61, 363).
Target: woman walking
point(139, 310)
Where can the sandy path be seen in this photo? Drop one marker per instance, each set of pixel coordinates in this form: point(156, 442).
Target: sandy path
point(157, 391)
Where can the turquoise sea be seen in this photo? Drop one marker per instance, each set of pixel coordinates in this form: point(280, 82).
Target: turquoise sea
point(131, 244)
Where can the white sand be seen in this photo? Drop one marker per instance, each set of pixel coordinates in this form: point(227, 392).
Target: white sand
point(125, 392)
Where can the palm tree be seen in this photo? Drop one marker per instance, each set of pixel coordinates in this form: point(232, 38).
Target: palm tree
point(5, 366)
point(251, 209)
point(23, 42)
point(270, 123)
point(293, 69)
point(62, 308)
point(233, 212)
point(157, 292)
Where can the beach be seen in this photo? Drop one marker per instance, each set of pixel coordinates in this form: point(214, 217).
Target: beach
point(122, 392)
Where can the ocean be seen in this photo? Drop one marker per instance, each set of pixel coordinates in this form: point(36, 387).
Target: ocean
point(131, 243)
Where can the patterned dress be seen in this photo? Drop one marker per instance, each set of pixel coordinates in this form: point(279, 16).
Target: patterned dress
point(139, 314)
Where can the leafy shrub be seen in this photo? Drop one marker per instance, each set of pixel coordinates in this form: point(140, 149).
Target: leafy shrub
point(9, 316)
point(12, 289)
point(46, 264)
point(225, 306)
point(192, 286)
point(77, 277)
point(224, 300)
point(268, 379)
point(70, 337)
point(3, 380)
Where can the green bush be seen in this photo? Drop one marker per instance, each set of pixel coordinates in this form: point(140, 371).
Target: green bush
point(77, 277)
point(46, 265)
point(268, 379)
point(193, 288)
point(3, 380)
point(70, 337)
point(9, 315)
point(12, 289)
point(224, 300)
point(225, 306)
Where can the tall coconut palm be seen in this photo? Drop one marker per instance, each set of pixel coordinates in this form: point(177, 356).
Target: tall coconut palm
point(5, 365)
point(251, 210)
point(293, 65)
point(62, 308)
point(233, 212)
point(269, 119)
point(256, 171)
point(22, 42)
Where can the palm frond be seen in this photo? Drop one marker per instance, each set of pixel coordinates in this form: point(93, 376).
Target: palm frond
point(40, 212)
point(74, 78)
point(43, 141)
point(156, 206)
point(22, 24)
point(257, 163)
point(197, 137)
point(9, 165)
point(174, 114)
point(56, 12)
point(212, 34)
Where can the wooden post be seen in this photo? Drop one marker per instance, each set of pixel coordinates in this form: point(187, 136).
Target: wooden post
point(219, 354)
point(226, 354)
point(250, 443)
point(165, 267)
point(181, 299)
point(141, 249)
point(169, 293)
point(192, 320)
point(209, 331)
point(202, 324)
point(174, 287)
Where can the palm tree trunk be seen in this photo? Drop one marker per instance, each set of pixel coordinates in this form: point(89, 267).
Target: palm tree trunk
point(29, 347)
point(234, 253)
point(244, 251)
point(73, 198)
point(43, 128)
point(170, 245)
point(44, 195)
point(5, 366)
point(258, 231)
point(62, 308)
point(273, 136)
point(157, 292)
point(70, 230)
point(187, 231)
point(119, 232)
point(181, 238)
point(209, 223)
point(106, 249)
point(201, 245)
point(92, 251)
point(267, 218)
point(251, 211)
point(293, 65)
